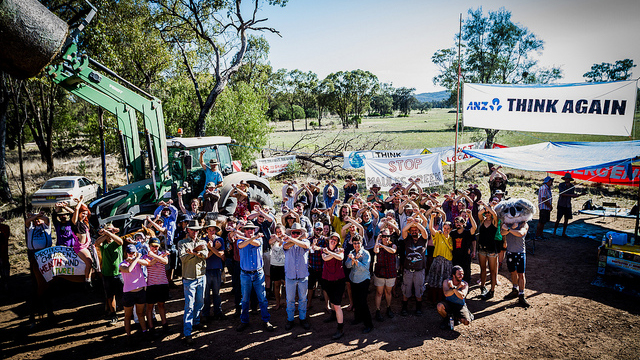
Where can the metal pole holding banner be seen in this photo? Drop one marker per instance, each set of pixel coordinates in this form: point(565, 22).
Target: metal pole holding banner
point(455, 146)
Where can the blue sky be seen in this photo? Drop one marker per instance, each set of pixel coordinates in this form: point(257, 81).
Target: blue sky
point(396, 39)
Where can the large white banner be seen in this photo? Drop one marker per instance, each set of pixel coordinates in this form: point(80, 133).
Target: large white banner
point(269, 167)
point(582, 108)
point(355, 159)
point(447, 154)
point(385, 171)
point(59, 260)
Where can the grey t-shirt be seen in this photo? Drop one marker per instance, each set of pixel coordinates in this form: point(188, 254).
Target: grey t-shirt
point(515, 243)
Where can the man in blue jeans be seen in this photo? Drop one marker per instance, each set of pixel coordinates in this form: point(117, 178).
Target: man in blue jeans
point(252, 275)
point(215, 259)
point(296, 270)
point(193, 254)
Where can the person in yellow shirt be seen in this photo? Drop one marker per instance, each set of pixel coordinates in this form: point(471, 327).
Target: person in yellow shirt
point(441, 266)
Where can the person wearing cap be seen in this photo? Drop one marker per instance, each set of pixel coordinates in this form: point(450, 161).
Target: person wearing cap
point(157, 283)
point(360, 277)
point(193, 253)
point(303, 219)
point(62, 223)
point(289, 189)
point(266, 222)
point(211, 173)
point(334, 280)
point(385, 272)
point(497, 180)
point(252, 275)
point(169, 215)
point(317, 242)
point(545, 205)
point(110, 244)
point(276, 256)
point(134, 288)
point(215, 263)
point(566, 192)
point(296, 269)
point(239, 192)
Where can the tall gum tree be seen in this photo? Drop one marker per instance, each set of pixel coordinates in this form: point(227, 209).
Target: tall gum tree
point(494, 50)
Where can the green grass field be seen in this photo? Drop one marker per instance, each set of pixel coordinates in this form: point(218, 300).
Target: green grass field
point(432, 129)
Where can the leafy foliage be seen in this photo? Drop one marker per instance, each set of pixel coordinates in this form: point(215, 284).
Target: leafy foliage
point(621, 70)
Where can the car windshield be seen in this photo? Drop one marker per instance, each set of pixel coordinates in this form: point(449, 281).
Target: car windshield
point(58, 184)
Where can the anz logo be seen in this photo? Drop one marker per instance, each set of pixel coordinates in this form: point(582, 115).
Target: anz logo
point(485, 105)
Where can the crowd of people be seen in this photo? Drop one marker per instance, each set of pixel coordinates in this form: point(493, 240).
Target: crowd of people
point(406, 243)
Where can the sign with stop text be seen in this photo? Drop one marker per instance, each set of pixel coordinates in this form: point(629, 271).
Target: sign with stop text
point(59, 260)
point(427, 169)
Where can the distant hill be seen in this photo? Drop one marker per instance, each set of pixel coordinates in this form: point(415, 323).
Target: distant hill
point(433, 96)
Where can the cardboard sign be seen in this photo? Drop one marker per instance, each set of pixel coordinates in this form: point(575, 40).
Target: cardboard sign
point(385, 172)
point(59, 260)
point(270, 167)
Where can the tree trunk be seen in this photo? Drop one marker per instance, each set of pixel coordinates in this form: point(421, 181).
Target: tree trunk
point(491, 135)
point(5, 190)
point(201, 125)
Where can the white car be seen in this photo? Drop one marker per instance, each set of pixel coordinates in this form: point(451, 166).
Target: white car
point(65, 188)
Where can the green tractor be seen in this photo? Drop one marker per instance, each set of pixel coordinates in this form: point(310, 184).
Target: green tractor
point(156, 167)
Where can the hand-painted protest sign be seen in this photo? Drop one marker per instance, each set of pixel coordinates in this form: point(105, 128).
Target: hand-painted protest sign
point(616, 175)
point(59, 260)
point(581, 108)
point(385, 172)
point(269, 167)
point(355, 159)
point(447, 154)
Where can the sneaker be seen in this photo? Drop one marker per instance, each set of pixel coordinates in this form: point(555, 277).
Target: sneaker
point(88, 285)
point(269, 327)
point(523, 302)
point(483, 291)
point(289, 325)
point(305, 324)
point(379, 316)
point(338, 334)
point(513, 294)
point(367, 329)
point(404, 312)
point(221, 317)
point(200, 327)
point(113, 321)
point(188, 340)
point(242, 327)
point(418, 312)
point(488, 296)
point(390, 313)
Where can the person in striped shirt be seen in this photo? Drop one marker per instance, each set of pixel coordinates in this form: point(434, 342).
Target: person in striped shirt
point(545, 205)
point(157, 283)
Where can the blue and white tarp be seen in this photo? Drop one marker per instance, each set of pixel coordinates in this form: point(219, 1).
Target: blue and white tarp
point(561, 156)
point(581, 108)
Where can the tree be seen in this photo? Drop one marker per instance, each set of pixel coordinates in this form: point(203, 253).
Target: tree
point(364, 85)
point(621, 70)
point(403, 99)
point(382, 104)
point(241, 114)
point(323, 95)
point(340, 96)
point(304, 85)
point(495, 50)
point(217, 32)
point(5, 99)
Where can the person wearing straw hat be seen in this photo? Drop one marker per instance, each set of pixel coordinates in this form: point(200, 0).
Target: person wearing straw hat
point(545, 205)
point(567, 191)
point(296, 269)
point(211, 172)
point(252, 275)
point(215, 263)
point(193, 253)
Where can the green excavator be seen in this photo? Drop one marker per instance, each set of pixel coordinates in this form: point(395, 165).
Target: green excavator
point(33, 39)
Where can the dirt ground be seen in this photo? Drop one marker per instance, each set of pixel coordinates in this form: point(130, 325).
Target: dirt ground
point(569, 319)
